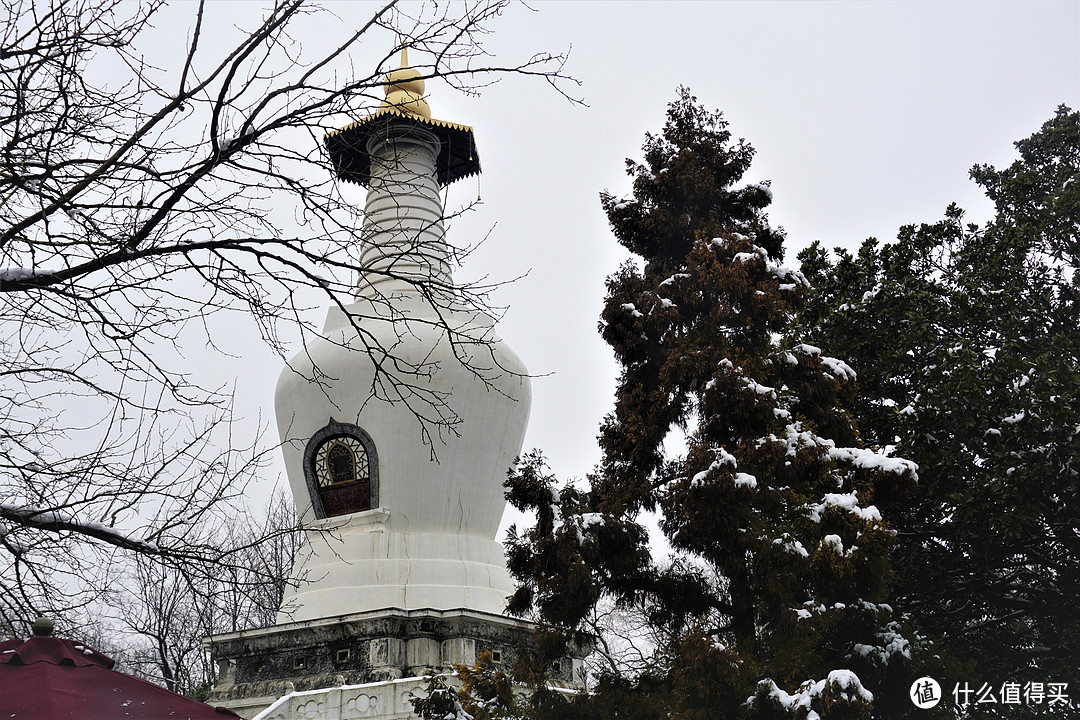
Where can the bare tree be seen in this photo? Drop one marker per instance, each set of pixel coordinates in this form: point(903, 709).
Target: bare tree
point(165, 620)
point(624, 643)
point(140, 198)
point(249, 594)
point(159, 617)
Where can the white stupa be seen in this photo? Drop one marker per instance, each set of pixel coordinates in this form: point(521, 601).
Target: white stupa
point(400, 574)
point(402, 519)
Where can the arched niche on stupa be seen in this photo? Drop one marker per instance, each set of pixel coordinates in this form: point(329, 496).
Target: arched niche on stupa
point(341, 466)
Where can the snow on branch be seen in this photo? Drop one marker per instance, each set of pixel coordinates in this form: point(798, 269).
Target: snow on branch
point(796, 436)
point(871, 460)
point(56, 521)
point(892, 643)
point(845, 683)
point(848, 502)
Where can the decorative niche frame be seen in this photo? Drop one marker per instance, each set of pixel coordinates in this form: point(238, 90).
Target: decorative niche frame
point(341, 467)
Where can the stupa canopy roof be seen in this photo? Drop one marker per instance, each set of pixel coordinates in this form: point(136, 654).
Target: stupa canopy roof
point(404, 105)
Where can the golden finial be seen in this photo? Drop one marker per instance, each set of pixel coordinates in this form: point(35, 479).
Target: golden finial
point(405, 89)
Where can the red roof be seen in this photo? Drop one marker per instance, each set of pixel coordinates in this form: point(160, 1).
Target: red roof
point(48, 678)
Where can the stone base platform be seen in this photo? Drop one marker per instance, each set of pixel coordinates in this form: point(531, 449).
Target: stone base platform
point(393, 648)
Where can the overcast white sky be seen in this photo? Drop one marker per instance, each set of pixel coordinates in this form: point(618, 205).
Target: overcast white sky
point(865, 116)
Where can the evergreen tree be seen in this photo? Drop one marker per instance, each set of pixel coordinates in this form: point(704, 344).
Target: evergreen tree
point(772, 604)
point(967, 343)
point(484, 693)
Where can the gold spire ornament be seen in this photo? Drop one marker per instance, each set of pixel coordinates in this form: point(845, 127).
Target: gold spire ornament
point(404, 104)
point(405, 90)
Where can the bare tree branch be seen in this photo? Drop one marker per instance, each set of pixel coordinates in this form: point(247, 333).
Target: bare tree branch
point(144, 204)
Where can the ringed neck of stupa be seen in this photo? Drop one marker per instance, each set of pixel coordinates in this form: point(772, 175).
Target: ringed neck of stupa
point(403, 239)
